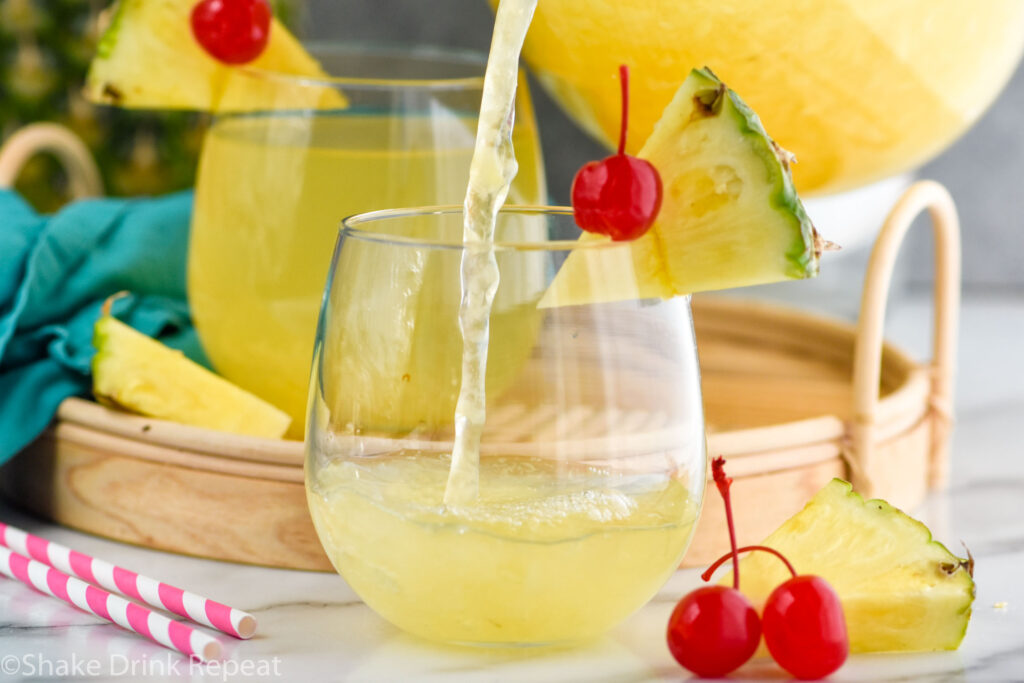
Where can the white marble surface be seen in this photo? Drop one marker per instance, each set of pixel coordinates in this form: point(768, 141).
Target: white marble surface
point(313, 628)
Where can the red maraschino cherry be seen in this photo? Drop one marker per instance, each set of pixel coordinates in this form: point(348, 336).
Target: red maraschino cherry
point(714, 629)
point(619, 196)
point(804, 627)
point(232, 31)
point(803, 623)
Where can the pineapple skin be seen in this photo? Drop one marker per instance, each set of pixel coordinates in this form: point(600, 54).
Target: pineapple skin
point(805, 251)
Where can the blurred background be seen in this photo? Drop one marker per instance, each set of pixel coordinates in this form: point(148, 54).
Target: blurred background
point(45, 46)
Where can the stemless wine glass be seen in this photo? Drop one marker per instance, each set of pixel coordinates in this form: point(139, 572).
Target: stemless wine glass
point(592, 460)
point(395, 128)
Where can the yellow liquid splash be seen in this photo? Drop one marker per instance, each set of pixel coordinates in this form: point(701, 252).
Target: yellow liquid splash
point(491, 173)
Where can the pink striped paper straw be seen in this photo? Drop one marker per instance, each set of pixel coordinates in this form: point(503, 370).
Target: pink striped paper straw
point(201, 610)
point(136, 618)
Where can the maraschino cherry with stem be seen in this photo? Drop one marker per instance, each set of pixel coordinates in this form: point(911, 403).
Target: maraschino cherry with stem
point(714, 629)
point(232, 31)
point(619, 196)
point(803, 623)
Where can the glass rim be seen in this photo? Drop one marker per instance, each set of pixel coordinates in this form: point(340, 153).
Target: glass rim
point(437, 53)
point(353, 226)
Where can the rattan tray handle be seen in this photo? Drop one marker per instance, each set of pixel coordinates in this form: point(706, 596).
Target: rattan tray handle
point(868, 350)
point(70, 151)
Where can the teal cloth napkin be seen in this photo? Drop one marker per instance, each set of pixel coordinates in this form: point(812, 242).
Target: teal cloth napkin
point(55, 273)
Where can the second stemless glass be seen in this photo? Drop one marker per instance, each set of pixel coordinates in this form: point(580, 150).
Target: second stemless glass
point(592, 461)
point(396, 128)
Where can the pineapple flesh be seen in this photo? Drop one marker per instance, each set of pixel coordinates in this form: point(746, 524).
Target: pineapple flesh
point(901, 590)
point(730, 216)
point(139, 374)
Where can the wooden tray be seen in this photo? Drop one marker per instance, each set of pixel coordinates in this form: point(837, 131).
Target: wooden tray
point(791, 400)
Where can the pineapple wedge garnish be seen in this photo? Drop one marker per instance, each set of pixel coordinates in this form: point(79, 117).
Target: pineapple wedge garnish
point(730, 216)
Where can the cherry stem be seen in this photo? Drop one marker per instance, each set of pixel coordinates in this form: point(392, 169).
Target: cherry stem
point(723, 483)
point(746, 549)
point(624, 83)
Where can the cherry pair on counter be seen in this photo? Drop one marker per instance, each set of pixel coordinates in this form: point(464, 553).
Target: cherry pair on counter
point(715, 630)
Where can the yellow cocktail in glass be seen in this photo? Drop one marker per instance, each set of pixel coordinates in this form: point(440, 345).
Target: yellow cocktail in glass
point(592, 457)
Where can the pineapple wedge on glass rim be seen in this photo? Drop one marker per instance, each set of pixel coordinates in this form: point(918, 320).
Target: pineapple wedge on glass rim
point(730, 215)
point(147, 58)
